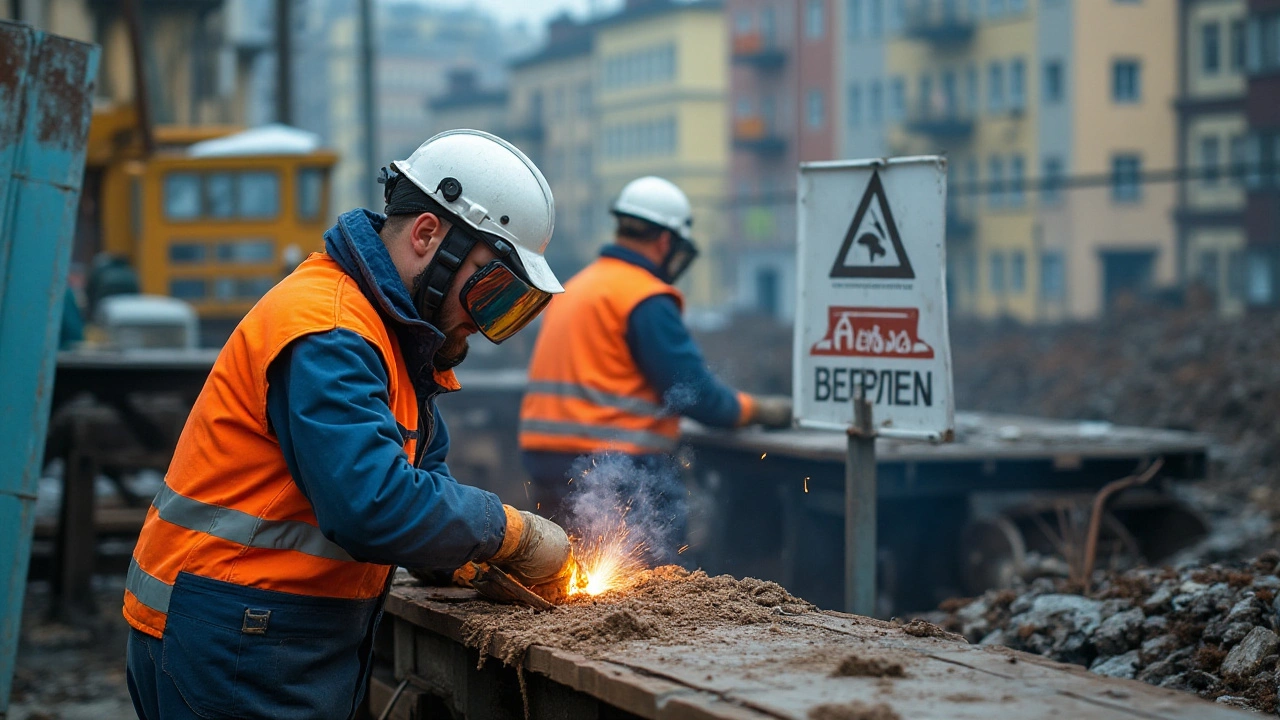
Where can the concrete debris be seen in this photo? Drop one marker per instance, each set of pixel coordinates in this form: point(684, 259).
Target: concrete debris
point(1208, 629)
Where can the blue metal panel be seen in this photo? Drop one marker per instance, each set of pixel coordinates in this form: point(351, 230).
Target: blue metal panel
point(45, 104)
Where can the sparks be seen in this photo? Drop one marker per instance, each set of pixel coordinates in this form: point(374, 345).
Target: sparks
point(682, 549)
point(609, 561)
point(762, 455)
point(806, 484)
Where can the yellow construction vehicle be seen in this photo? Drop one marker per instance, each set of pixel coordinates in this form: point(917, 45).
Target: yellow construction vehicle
point(207, 215)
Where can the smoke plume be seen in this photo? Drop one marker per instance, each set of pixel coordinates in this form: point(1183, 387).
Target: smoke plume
point(647, 494)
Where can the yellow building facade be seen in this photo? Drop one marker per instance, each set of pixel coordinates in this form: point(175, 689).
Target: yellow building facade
point(661, 87)
point(1052, 113)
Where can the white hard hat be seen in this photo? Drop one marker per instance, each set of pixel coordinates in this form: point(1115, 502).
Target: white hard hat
point(490, 185)
point(657, 200)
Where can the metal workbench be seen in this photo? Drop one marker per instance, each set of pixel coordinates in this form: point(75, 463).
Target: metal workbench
point(774, 499)
point(744, 672)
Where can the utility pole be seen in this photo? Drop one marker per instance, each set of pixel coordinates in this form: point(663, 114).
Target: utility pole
point(284, 61)
point(368, 108)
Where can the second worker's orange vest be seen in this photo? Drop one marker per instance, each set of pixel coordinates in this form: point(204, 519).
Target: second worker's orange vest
point(585, 392)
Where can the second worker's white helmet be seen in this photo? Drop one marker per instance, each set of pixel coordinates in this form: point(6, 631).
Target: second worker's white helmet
point(658, 201)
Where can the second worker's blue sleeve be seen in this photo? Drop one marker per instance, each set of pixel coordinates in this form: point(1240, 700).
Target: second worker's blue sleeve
point(329, 408)
point(673, 365)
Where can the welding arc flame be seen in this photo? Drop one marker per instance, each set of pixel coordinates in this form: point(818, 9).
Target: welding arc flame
point(609, 561)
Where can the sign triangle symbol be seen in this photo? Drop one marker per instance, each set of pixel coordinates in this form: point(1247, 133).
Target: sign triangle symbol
point(872, 247)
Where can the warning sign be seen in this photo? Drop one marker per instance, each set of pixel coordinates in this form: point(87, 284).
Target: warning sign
point(872, 247)
point(872, 309)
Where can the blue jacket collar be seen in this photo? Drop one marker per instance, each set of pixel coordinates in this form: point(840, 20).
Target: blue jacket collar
point(617, 252)
point(355, 245)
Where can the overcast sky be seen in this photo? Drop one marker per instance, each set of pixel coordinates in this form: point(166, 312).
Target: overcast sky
point(533, 12)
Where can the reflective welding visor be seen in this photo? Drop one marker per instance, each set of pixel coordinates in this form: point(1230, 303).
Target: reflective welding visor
point(682, 254)
point(500, 303)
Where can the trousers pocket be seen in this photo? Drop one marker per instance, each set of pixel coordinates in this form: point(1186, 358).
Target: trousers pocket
point(237, 654)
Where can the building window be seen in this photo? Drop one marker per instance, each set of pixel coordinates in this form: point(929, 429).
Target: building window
point(926, 107)
point(995, 87)
point(1210, 151)
point(995, 182)
point(1208, 274)
point(1126, 178)
point(584, 99)
point(1239, 149)
point(182, 199)
point(1126, 81)
point(814, 110)
point(897, 99)
point(1053, 276)
point(1017, 180)
point(971, 182)
point(876, 103)
point(1017, 272)
point(309, 193)
point(814, 20)
point(1238, 50)
point(853, 11)
point(1053, 81)
point(1210, 48)
point(875, 23)
point(1051, 183)
point(854, 105)
point(1017, 84)
point(995, 272)
point(1235, 275)
point(971, 90)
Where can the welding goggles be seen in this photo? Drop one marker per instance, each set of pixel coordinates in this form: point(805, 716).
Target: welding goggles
point(500, 302)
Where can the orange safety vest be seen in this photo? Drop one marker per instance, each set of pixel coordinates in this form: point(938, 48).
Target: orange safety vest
point(585, 392)
point(229, 509)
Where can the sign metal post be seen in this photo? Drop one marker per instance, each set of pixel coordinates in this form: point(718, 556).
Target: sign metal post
point(871, 328)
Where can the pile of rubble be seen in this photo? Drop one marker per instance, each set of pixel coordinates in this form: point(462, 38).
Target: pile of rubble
point(1155, 367)
point(1211, 630)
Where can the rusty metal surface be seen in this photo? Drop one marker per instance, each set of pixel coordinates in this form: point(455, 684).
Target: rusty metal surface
point(785, 670)
point(46, 87)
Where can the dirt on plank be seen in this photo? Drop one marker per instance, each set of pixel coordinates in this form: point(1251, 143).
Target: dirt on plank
point(854, 711)
point(868, 666)
point(664, 607)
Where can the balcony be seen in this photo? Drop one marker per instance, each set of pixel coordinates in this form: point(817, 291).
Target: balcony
point(754, 134)
point(757, 50)
point(941, 23)
point(941, 124)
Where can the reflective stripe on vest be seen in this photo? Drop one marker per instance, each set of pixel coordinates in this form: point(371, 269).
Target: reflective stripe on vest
point(653, 440)
point(231, 525)
point(243, 528)
point(149, 589)
point(635, 406)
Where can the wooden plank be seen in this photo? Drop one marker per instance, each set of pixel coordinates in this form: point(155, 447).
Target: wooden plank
point(785, 669)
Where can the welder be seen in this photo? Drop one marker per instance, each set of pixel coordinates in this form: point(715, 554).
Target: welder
point(313, 461)
point(614, 367)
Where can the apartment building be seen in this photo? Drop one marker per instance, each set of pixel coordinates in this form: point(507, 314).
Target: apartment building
point(1262, 154)
point(551, 116)
point(1213, 145)
point(1022, 95)
point(785, 109)
point(661, 85)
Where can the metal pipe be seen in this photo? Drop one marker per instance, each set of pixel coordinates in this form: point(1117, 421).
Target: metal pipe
point(284, 62)
point(860, 512)
point(141, 99)
point(368, 110)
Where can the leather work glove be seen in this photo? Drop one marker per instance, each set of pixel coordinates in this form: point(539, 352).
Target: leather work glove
point(535, 552)
point(772, 411)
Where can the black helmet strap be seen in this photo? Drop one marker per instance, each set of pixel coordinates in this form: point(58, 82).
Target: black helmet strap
point(430, 290)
